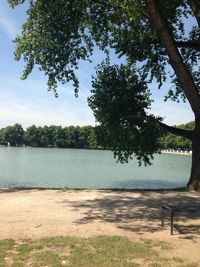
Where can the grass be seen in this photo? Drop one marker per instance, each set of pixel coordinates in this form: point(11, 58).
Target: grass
point(100, 251)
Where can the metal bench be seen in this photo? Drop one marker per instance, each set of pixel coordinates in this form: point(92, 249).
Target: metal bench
point(174, 209)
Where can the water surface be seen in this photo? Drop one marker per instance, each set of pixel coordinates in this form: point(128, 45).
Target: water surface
point(76, 168)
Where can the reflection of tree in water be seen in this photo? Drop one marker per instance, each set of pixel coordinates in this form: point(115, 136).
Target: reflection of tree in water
point(147, 184)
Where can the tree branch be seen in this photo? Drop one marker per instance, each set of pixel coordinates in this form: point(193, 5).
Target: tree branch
point(195, 6)
point(152, 120)
point(192, 45)
point(173, 130)
point(179, 44)
point(183, 74)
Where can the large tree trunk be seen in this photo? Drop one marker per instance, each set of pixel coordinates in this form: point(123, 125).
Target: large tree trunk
point(186, 80)
point(194, 182)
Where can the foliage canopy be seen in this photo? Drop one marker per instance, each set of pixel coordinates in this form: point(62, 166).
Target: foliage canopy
point(157, 42)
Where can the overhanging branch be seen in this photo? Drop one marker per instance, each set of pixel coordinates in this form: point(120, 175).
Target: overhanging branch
point(154, 121)
point(192, 45)
point(170, 129)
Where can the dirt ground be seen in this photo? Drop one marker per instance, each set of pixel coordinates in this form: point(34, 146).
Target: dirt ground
point(135, 214)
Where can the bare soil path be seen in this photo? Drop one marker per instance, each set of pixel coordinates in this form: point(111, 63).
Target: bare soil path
point(136, 214)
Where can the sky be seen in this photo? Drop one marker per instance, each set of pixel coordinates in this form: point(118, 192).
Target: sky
point(28, 102)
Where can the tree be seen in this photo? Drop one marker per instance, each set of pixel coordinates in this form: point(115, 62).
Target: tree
point(47, 136)
point(32, 136)
point(14, 135)
point(2, 141)
point(59, 137)
point(150, 35)
point(91, 137)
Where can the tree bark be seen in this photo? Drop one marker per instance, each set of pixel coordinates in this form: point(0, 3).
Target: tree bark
point(194, 181)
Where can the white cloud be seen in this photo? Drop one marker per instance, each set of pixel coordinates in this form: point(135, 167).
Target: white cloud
point(27, 116)
point(8, 26)
point(28, 102)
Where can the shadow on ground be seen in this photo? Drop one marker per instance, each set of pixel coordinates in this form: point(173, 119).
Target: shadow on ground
point(143, 209)
point(132, 210)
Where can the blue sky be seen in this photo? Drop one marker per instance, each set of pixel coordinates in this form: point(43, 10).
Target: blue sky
point(28, 102)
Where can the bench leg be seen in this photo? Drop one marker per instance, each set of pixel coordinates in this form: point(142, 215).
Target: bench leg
point(172, 221)
point(162, 217)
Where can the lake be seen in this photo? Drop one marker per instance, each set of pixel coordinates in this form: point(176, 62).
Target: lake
point(76, 168)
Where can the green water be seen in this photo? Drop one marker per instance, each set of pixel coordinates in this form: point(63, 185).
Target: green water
point(46, 167)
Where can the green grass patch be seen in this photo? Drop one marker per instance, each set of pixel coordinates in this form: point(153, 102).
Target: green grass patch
point(5, 246)
point(46, 258)
point(100, 251)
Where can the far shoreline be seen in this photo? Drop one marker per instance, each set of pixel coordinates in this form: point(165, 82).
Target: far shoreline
point(176, 152)
point(16, 189)
point(163, 151)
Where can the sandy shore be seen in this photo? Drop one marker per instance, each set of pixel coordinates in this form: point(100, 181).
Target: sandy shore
point(135, 214)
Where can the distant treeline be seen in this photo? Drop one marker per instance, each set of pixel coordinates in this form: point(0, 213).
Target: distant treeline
point(74, 137)
point(49, 136)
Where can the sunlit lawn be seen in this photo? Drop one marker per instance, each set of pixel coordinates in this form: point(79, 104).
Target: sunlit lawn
point(101, 251)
